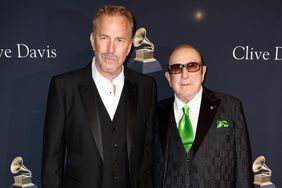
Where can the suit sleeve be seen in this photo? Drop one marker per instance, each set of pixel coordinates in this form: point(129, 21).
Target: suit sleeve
point(53, 139)
point(148, 145)
point(244, 176)
point(158, 158)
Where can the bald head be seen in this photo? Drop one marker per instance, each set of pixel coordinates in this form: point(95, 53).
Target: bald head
point(185, 51)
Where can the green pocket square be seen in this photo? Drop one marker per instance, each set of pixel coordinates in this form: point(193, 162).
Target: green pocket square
point(222, 124)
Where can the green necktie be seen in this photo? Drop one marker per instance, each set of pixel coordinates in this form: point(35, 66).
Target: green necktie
point(185, 129)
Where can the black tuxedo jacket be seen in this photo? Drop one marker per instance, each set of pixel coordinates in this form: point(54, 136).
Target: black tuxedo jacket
point(72, 142)
point(221, 156)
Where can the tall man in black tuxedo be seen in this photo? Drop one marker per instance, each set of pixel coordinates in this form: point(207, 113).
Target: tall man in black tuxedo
point(98, 128)
point(214, 151)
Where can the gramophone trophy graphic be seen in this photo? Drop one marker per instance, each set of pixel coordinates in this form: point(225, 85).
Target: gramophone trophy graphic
point(262, 177)
point(144, 60)
point(24, 179)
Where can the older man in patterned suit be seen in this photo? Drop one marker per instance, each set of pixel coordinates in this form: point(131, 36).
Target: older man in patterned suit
point(201, 140)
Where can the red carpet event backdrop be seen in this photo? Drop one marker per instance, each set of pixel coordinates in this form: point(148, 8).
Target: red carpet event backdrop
point(240, 40)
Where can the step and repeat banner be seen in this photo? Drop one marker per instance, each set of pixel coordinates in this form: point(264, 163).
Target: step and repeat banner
point(240, 40)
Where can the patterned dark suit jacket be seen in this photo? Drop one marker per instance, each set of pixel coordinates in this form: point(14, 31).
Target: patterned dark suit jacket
point(221, 156)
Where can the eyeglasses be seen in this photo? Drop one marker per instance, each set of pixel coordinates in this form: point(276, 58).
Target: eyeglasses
point(190, 67)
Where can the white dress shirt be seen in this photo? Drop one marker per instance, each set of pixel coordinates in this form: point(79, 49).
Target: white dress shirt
point(194, 109)
point(109, 91)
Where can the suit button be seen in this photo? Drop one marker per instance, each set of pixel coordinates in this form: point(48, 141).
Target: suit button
point(115, 145)
point(188, 185)
point(188, 171)
point(116, 177)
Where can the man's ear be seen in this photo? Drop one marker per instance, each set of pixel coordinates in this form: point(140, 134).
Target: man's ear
point(129, 47)
point(92, 36)
point(204, 71)
point(167, 75)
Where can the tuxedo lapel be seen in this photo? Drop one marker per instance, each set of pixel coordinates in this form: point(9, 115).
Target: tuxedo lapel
point(88, 95)
point(132, 98)
point(209, 107)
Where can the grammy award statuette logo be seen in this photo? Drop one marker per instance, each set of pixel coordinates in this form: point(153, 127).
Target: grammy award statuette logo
point(262, 174)
point(24, 179)
point(144, 60)
point(145, 54)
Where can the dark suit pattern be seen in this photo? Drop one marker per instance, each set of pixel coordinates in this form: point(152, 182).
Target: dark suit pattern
point(72, 143)
point(219, 157)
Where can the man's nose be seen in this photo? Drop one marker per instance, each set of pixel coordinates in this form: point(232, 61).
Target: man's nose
point(185, 72)
point(111, 47)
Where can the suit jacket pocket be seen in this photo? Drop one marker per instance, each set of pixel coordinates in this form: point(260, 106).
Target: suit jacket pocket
point(222, 139)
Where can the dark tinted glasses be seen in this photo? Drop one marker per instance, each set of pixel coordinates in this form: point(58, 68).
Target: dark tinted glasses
point(190, 67)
